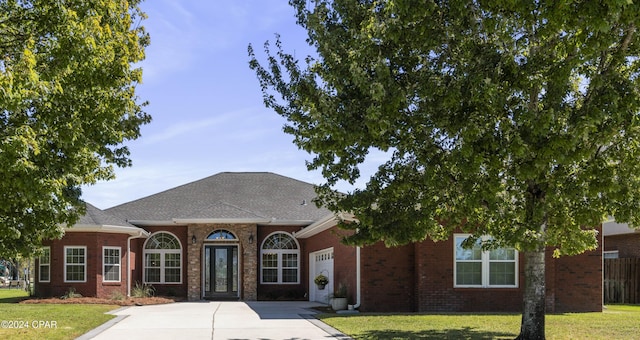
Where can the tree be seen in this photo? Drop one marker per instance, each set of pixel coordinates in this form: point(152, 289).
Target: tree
point(67, 104)
point(513, 119)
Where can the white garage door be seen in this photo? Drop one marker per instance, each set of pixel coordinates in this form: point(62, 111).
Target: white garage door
point(320, 262)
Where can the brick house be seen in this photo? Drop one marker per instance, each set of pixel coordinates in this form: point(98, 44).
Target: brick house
point(620, 241)
point(258, 236)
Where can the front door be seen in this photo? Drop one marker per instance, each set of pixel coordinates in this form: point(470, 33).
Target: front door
point(220, 272)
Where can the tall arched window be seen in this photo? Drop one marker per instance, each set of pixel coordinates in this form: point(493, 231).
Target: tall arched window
point(162, 259)
point(280, 259)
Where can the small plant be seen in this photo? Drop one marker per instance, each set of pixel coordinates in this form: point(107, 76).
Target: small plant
point(321, 280)
point(142, 290)
point(71, 293)
point(117, 295)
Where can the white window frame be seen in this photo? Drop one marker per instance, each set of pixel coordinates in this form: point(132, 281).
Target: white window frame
point(610, 254)
point(280, 268)
point(115, 265)
point(486, 261)
point(84, 264)
point(47, 265)
point(162, 253)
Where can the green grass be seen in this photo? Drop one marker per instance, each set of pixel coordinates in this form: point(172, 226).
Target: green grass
point(616, 322)
point(47, 321)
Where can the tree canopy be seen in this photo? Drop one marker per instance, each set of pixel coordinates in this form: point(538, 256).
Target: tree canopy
point(67, 103)
point(518, 120)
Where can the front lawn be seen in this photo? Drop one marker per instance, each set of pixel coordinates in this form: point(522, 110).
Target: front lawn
point(616, 322)
point(47, 321)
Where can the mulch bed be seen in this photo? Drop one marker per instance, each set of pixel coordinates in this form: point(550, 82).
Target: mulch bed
point(155, 300)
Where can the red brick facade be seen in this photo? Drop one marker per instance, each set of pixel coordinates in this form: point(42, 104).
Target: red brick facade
point(94, 285)
point(412, 278)
point(344, 260)
point(419, 278)
point(627, 245)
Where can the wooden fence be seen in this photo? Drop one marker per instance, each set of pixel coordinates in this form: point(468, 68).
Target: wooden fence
point(622, 280)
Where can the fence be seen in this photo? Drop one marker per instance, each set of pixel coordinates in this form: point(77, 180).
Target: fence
point(622, 280)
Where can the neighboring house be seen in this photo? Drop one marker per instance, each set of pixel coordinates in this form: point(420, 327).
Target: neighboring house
point(620, 240)
point(256, 236)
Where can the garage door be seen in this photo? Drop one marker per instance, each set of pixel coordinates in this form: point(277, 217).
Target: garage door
point(321, 262)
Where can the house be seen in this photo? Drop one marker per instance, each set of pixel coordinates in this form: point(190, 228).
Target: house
point(258, 236)
point(620, 240)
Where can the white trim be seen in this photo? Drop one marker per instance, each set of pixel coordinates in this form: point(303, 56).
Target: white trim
point(116, 229)
point(162, 253)
point(279, 258)
point(186, 221)
point(612, 252)
point(485, 267)
point(325, 223)
point(75, 264)
point(119, 264)
point(48, 265)
point(142, 233)
point(219, 220)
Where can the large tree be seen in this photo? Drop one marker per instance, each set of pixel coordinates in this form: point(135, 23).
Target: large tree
point(67, 103)
point(515, 119)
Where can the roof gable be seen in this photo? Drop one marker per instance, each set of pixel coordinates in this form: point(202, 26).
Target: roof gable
point(229, 195)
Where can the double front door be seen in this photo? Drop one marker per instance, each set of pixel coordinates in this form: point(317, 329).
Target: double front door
point(221, 271)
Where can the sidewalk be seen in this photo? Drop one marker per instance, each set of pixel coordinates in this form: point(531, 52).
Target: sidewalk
point(217, 321)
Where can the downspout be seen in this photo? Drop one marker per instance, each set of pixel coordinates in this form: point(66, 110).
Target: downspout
point(357, 305)
point(140, 234)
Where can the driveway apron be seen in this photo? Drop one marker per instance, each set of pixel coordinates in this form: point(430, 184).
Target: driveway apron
point(217, 320)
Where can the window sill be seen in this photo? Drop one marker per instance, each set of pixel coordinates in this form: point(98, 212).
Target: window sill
point(486, 288)
point(114, 283)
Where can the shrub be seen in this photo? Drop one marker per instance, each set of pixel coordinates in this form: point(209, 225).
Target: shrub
point(142, 290)
point(117, 295)
point(71, 293)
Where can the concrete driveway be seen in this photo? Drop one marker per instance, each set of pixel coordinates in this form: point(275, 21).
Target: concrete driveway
point(217, 320)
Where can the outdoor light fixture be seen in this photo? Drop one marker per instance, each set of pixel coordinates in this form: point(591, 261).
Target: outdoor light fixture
point(251, 238)
point(193, 239)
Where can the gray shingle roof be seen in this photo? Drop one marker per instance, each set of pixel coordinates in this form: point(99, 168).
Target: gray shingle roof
point(97, 217)
point(229, 195)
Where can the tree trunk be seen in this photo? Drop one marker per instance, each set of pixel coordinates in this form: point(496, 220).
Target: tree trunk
point(533, 314)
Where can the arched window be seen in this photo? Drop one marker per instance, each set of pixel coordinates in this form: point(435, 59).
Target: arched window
point(222, 235)
point(280, 259)
point(162, 259)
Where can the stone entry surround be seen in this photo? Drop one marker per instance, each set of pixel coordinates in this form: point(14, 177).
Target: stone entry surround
point(248, 258)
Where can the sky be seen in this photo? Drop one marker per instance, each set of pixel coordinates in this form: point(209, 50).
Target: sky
point(205, 101)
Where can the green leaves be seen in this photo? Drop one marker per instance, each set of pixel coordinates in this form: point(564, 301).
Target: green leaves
point(67, 105)
point(518, 120)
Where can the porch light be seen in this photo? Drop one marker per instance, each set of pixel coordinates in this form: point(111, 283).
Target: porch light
point(193, 239)
point(251, 238)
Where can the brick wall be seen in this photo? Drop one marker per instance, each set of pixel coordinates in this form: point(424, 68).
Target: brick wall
point(627, 245)
point(387, 278)
point(579, 281)
point(94, 285)
point(419, 277)
point(344, 259)
point(435, 286)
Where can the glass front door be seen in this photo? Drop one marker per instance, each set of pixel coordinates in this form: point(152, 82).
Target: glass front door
point(221, 271)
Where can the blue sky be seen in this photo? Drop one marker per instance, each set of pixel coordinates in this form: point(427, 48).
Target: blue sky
point(206, 104)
